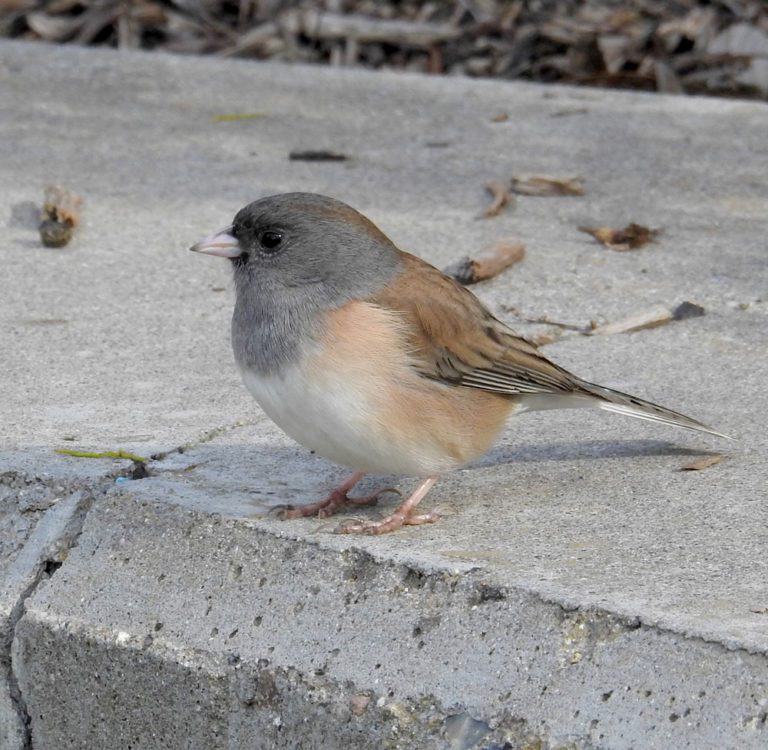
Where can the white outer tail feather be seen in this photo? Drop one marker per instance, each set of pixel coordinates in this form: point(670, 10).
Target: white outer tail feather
point(599, 397)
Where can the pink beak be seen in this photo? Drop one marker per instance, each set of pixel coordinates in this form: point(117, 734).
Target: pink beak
point(222, 244)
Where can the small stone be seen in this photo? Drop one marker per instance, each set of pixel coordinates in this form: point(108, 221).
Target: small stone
point(359, 703)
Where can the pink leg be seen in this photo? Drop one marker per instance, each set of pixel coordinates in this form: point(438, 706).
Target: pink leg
point(403, 515)
point(335, 501)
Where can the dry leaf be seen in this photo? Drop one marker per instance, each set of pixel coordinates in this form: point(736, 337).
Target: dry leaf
point(53, 28)
point(615, 50)
point(541, 185)
point(703, 463)
point(59, 217)
point(489, 264)
point(317, 156)
point(687, 310)
point(632, 237)
point(656, 316)
point(501, 117)
point(501, 198)
point(569, 111)
point(11, 6)
point(710, 48)
point(150, 14)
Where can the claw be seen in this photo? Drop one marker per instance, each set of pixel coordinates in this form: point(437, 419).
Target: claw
point(335, 501)
point(277, 511)
point(403, 515)
point(390, 523)
point(393, 490)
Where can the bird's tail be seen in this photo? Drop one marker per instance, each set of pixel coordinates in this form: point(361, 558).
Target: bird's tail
point(632, 406)
point(589, 395)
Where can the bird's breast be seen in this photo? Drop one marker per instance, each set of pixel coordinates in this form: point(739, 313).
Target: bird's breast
point(354, 397)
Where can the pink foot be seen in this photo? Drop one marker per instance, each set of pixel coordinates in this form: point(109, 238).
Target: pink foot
point(390, 523)
point(403, 515)
point(337, 500)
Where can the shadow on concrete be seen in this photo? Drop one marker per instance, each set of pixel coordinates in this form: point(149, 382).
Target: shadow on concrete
point(577, 450)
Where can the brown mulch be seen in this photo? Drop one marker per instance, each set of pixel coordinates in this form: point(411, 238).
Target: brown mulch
point(683, 46)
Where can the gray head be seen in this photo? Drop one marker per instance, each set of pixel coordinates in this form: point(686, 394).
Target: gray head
point(296, 256)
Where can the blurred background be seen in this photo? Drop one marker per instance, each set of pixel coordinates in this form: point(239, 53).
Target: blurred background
point(717, 48)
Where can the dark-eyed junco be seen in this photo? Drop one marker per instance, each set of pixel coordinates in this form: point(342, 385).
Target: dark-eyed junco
point(374, 358)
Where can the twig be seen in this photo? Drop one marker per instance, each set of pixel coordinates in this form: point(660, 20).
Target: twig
point(318, 25)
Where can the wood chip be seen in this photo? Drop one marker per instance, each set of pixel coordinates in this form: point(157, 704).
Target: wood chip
point(703, 463)
point(488, 264)
point(667, 81)
point(59, 217)
point(688, 46)
point(656, 316)
point(317, 156)
point(541, 185)
point(256, 40)
point(542, 339)
point(501, 198)
point(500, 117)
point(320, 24)
point(631, 237)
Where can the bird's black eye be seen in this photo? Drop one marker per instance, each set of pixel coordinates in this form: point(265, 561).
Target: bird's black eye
point(270, 240)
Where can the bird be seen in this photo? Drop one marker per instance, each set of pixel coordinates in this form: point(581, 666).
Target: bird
point(375, 359)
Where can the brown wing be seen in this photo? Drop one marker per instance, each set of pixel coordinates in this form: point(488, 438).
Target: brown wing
point(456, 340)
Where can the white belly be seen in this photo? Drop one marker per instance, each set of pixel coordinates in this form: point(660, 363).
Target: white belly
point(337, 420)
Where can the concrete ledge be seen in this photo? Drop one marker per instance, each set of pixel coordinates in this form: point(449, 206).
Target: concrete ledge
point(278, 642)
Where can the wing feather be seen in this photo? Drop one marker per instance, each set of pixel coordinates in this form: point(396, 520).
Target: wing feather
point(456, 340)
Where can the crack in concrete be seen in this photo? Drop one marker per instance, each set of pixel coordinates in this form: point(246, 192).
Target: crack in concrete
point(55, 534)
point(206, 437)
point(17, 699)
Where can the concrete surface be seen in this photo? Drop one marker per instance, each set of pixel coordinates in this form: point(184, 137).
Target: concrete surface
point(581, 592)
